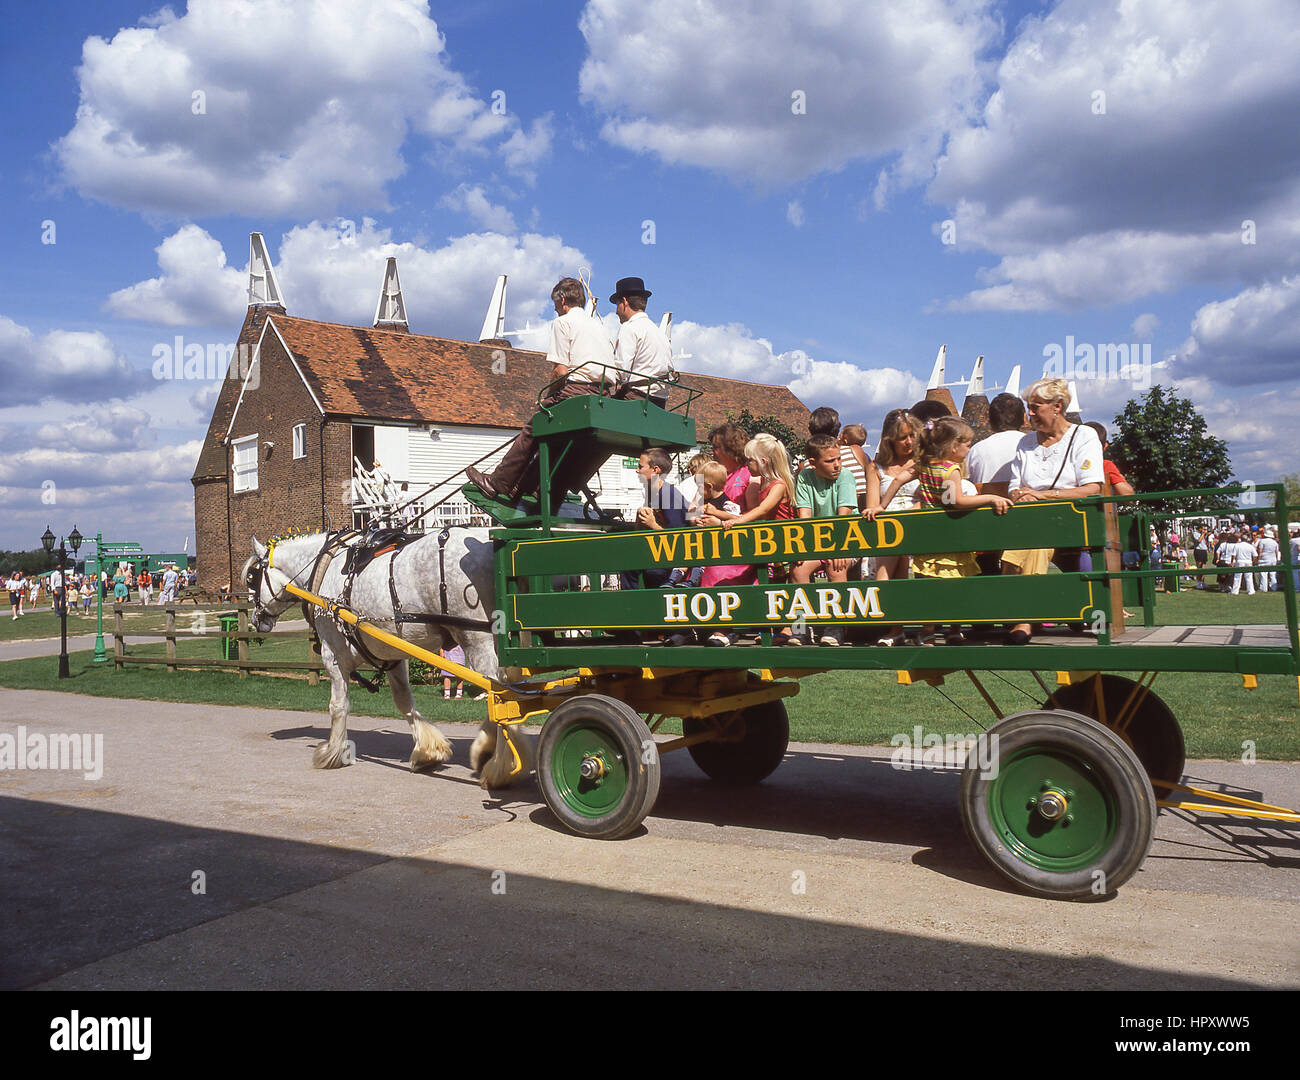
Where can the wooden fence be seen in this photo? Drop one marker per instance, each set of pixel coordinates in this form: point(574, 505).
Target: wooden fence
point(244, 663)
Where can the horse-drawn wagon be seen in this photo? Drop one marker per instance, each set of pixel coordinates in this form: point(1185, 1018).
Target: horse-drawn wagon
point(1061, 797)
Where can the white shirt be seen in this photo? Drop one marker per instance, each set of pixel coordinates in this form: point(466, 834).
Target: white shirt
point(1268, 551)
point(56, 580)
point(906, 494)
point(1035, 466)
point(643, 353)
point(989, 460)
point(578, 339)
point(1241, 553)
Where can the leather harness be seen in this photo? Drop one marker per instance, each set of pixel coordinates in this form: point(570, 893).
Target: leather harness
point(361, 555)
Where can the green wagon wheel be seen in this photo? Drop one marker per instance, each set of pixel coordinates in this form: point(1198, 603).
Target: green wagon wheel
point(1152, 731)
point(598, 766)
point(1065, 809)
point(749, 745)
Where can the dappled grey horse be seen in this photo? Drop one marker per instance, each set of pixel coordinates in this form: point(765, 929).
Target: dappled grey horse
point(417, 578)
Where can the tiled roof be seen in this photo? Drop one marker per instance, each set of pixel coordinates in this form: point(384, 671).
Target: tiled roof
point(975, 411)
point(397, 376)
point(385, 375)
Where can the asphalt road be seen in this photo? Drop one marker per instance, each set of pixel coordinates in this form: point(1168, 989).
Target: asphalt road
point(210, 855)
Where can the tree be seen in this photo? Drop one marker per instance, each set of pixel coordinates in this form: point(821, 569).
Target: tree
point(1291, 483)
point(35, 561)
point(1161, 443)
point(781, 431)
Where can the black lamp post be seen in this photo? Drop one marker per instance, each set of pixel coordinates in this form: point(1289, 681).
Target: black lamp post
point(61, 601)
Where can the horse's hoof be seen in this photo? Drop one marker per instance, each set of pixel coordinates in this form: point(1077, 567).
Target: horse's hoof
point(422, 762)
point(480, 753)
point(327, 758)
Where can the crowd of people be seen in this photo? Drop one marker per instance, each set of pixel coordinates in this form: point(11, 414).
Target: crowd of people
point(80, 590)
point(925, 457)
point(1251, 555)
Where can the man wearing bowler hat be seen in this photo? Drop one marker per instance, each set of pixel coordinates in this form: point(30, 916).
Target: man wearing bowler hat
point(642, 352)
point(583, 357)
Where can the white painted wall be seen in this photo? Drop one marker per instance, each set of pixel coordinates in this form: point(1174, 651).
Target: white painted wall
point(422, 457)
point(391, 450)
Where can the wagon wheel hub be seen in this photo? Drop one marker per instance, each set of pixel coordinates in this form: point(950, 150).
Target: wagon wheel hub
point(593, 767)
point(1052, 805)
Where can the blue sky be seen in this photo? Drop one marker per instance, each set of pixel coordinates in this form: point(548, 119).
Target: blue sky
point(1108, 173)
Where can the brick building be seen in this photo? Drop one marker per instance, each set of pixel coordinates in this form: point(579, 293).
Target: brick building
point(307, 405)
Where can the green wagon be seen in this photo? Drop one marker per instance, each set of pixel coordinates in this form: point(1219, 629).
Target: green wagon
point(1061, 798)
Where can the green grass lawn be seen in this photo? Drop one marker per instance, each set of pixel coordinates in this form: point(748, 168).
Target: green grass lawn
point(850, 707)
point(1210, 608)
point(43, 623)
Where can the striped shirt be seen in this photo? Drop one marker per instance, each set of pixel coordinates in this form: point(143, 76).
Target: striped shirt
point(849, 462)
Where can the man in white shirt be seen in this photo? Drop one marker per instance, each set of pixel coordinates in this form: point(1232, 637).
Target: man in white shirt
point(56, 589)
point(642, 352)
point(1270, 555)
point(989, 461)
point(581, 353)
point(169, 582)
point(1241, 553)
point(1295, 556)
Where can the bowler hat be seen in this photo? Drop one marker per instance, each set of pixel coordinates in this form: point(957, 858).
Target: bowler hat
point(629, 286)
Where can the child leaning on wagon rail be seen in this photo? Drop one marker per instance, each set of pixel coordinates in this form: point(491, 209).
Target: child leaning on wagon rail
point(711, 482)
point(822, 490)
point(944, 447)
point(664, 509)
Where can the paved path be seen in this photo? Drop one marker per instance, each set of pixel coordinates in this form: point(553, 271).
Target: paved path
point(837, 872)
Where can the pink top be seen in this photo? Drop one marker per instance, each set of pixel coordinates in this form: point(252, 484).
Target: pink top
point(741, 574)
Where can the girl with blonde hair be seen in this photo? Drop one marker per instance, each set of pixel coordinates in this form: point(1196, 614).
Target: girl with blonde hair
point(770, 498)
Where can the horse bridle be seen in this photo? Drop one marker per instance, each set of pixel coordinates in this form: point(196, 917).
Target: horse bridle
point(255, 573)
point(257, 568)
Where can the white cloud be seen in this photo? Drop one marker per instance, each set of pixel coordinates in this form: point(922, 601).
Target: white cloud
point(1248, 423)
point(860, 395)
point(472, 201)
point(333, 271)
point(157, 514)
point(1103, 268)
point(72, 468)
point(70, 365)
point(1146, 324)
point(327, 275)
point(1091, 207)
point(108, 427)
point(204, 400)
point(1250, 338)
point(304, 108)
point(525, 150)
point(794, 213)
point(777, 95)
point(196, 287)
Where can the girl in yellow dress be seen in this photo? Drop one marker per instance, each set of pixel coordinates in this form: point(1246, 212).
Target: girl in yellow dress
point(944, 447)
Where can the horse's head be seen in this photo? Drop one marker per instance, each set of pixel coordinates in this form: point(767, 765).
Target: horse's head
point(266, 587)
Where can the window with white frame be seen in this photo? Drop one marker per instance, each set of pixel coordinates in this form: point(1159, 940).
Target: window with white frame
point(299, 440)
point(245, 463)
